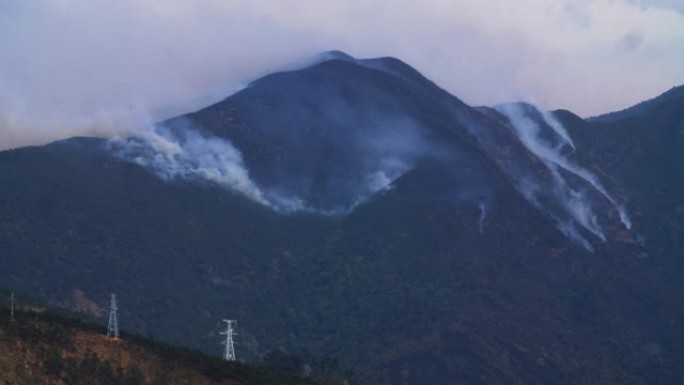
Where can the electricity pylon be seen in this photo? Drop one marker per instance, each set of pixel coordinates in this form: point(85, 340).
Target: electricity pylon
point(229, 351)
point(113, 328)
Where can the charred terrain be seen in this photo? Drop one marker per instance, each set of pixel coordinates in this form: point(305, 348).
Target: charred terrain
point(354, 212)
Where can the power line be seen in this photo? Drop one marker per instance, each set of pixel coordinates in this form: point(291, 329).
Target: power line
point(229, 351)
point(113, 328)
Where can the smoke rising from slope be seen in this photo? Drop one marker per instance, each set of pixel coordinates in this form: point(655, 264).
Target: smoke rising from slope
point(188, 155)
point(483, 215)
point(72, 67)
point(576, 200)
point(185, 153)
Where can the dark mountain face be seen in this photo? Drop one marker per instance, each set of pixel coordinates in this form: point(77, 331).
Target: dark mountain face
point(329, 137)
point(353, 209)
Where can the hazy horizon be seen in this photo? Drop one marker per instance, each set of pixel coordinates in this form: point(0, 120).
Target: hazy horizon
point(70, 67)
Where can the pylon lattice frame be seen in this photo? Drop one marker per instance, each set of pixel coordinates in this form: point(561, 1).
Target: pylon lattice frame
point(229, 351)
point(113, 327)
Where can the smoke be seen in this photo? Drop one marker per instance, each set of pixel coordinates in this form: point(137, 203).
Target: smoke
point(575, 201)
point(188, 154)
point(483, 216)
point(102, 67)
point(528, 131)
point(182, 152)
point(532, 192)
point(557, 127)
point(391, 150)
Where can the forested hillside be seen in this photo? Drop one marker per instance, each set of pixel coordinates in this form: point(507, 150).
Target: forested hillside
point(43, 348)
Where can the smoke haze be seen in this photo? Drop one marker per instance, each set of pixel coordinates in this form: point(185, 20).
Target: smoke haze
point(70, 67)
point(184, 152)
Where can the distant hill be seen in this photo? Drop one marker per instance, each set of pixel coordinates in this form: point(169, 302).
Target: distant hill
point(674, 95)
point(355, 215)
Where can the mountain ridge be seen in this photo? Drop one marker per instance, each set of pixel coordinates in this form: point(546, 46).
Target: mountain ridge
point(671, 95)
point(461, 245)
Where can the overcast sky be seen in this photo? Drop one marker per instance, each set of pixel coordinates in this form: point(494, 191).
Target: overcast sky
point(72, 67)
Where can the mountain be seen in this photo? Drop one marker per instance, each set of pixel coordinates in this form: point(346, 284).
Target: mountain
point(44, 348)
point(639, 110)
point(353, 212)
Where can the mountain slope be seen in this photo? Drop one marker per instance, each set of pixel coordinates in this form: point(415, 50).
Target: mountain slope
point(41, 348)
point(353, 209)
point(642, 155)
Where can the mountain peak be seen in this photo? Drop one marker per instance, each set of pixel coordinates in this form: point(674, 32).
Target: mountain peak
point(335, 55)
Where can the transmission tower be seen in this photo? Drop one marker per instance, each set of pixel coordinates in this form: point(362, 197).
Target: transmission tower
point(113, 328)
point(229, 352)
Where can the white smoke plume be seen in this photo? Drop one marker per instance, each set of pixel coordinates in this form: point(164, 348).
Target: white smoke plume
point(577, 203)
point(531, 190)
point(557, 127)
point(483, 216)
point(585, 174)
point(188, 155)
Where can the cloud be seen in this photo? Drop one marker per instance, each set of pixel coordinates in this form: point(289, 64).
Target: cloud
point(631, 41)
point(675, 5)
point(89, 67)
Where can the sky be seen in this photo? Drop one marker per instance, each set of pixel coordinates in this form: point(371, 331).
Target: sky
point(105, 67)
